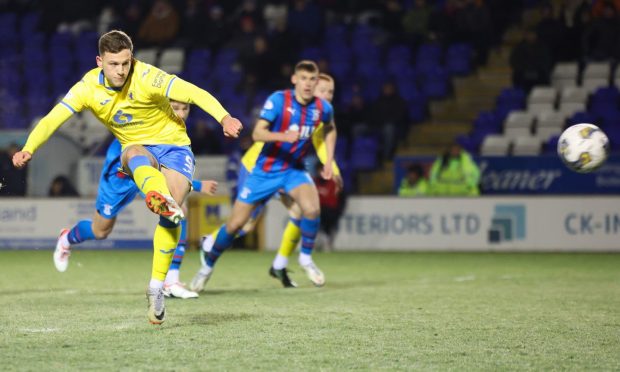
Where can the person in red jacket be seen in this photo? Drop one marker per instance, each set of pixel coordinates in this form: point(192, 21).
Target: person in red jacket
point(330, 197)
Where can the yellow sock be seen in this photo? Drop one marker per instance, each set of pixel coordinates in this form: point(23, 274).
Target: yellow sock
point(148, 178)
point(290, 239)
point(164, 243)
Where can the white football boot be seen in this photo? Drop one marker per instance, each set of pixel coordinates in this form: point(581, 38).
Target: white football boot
point(62, 252)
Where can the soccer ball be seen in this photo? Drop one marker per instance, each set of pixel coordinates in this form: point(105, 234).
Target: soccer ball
point(583, 147)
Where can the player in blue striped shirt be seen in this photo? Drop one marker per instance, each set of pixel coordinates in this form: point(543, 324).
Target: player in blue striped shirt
point(286, 124)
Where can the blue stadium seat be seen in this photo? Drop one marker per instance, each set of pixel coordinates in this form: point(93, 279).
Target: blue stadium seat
point(311, 53)
point(513, 97)
point(458, 59)
point(436, 84)
point(364, 153)
point(581, 117)
point(28, 23)
point(429, 52)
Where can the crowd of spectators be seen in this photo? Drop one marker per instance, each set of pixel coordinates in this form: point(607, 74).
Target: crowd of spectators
point(569, 30)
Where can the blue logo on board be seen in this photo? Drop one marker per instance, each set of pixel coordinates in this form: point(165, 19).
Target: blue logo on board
point(507, 223)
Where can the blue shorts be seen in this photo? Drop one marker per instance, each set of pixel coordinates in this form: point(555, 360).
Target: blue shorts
point(261, 185)
point(178, 158)
point(115, 191)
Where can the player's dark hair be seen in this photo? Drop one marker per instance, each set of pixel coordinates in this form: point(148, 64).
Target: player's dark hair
point(306, 65)
point(114, 41)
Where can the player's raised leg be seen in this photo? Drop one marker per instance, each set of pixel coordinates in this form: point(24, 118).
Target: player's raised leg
point(152, 183)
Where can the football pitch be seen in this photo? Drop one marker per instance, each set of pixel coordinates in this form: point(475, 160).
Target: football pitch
point(378, 311)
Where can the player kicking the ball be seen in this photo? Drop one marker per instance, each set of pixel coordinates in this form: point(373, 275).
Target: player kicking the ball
point(116, 190)
point(131, 98)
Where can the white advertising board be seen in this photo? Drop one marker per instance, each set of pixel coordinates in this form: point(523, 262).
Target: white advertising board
point(35, 223)
point(471, 224)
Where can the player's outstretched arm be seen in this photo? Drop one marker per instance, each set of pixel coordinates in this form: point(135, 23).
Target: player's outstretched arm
point(208, 187)
point(330, 146)
point(21, 158)
point(183, 91)
point(318, 141)
point(262, 133)
point(41, 133)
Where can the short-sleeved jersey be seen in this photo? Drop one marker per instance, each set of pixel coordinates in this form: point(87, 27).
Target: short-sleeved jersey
point(284, 113)
point(137, 113)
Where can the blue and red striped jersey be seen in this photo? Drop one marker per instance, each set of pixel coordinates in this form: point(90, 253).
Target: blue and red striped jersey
point(284, 112)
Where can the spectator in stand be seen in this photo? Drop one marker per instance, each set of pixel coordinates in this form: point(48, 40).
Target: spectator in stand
point(599, 7)
point(274, 14)
point(353, 120)
point(455, 173)
point(601, 37)
point(531, 63)
point(414, 183)
point(205, 138)
point(389, 116)
point(258, 63)
point(12, 180)
point(331, 207)
point(216, 29)
point(305, 22)
point(473, 24)
point(161, 25)
point(62, 187)
point(551, 31)
point(415, 22)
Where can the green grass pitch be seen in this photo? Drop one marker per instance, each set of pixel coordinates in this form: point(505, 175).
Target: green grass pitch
point(378, 311)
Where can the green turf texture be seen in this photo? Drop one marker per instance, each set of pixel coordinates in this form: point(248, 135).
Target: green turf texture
point(378, 311)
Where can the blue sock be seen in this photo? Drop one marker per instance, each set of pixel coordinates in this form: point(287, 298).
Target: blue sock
point(179, 253)
point(309, 229)
point(223, 240)
point(138, 161)
point(82, 231)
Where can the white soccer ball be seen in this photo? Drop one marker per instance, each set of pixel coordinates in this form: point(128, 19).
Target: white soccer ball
point(583, 147)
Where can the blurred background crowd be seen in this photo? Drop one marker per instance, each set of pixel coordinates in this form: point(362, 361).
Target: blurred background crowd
point(400, 66)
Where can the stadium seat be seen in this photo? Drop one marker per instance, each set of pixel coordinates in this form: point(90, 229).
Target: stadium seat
point(364, 153)
point(599, 70)
point(526, 146)
point(515, 132)
point(511, 97)
point(565, 75)
point(569, 108)
point(574, 94)
point(537, 108)
point(544, 133)
point(436, 84)
point(550, 119)
point(172, 60)
point(581, 117)
point(593, 83)
point(458, 59)
point(542, 94)
point(519, 119)
point(147, 55)
point(495, 145)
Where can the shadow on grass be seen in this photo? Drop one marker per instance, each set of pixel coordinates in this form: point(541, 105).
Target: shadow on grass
point(215, 318)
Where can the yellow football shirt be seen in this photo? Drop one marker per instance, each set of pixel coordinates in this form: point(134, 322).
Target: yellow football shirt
point(137, 113)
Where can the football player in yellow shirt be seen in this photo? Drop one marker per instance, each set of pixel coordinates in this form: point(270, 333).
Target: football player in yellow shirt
point(292, 232)
point(131, 99)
